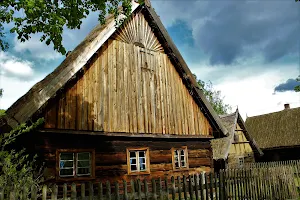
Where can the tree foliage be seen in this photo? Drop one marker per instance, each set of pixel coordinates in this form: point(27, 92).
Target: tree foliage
point(214, 97)
point(18, 169)
point(51, 17)
point(297, 88)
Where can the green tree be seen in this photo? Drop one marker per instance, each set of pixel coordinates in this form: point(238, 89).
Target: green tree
point(18, 170)
point(297, 88)
point(1, 92)
point(214, 97)
point(49, 18)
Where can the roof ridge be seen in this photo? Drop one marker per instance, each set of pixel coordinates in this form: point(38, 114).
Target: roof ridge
point(276, 112)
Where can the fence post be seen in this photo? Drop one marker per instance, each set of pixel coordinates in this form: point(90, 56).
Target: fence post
point(206, 186)
point(221, 185)
point(216, 186)
point(146, 189)
point(82, 190)
point(173, 188)
point(190, 185)
point(65, 192)
point(139, 187)
point(117, 191)
point(54, 192)
point(44, 192)
point(12, 194)
point(108, 190)
point(125, 190)
point(100, 191)
point(33, 192)
point(211, 184)
point(132, 189)
point(184, 188)
point(179, 187)
point(1, 193)
point(154, 189)
point(167, 188)
point(201, 187)
point(91, 191)
point(73, 191)
point(196, 182)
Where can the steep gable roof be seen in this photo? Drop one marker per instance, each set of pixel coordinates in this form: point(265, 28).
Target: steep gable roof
point(36, 98)
point(275, 130)
point(221, 146)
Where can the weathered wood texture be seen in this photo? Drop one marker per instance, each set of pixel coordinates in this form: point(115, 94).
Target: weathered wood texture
point(127, 88)
point(110, 155)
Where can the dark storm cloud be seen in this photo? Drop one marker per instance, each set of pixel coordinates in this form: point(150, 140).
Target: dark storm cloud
point(229, 30)
point(289, 85)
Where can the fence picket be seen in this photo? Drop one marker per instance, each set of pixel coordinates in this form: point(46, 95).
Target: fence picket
point(196, 182)
point(173, 188)
point(108, 190)
point(139, 187)
point(54, 192)
point(191, 191)
point(146, 190)
point(154, 189)
point(82, 190)
point(211, 186)
point(184, 188)
point(73, 191)
point(100, 191)
point(91, 191)
point(167, 188)
point(117, 191)
point(125, 190)
point(179, 188)
point(206, 187)
point(201, 187)
point(132, 194)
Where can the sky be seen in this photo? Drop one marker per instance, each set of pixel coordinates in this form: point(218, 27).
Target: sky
point(249, 50)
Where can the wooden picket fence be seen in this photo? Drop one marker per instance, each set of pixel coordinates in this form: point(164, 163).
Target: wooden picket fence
point(272, 181)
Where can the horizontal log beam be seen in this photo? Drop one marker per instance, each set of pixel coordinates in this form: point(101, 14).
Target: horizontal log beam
point(122, 134)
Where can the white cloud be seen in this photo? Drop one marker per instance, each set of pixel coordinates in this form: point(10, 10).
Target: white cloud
point(14, 89)
point(254, 95)
point(14, 67)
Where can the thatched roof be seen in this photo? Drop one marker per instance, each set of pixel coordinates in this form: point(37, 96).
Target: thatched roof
point(275, 130)
point(221, 146)
point(37, 97)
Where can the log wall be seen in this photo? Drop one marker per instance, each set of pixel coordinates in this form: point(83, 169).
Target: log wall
point(127, 88)
point(110, 155)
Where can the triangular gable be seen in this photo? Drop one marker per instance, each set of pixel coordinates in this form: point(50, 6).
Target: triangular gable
point(221, 147)
point(22, 110)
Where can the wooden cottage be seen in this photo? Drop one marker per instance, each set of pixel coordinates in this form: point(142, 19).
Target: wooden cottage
point(122, 105)
point(277, 134)
point(237, 148)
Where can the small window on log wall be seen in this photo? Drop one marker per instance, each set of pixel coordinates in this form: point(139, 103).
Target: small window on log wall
point(138, 161)
point(180, 158)
point(75, 163)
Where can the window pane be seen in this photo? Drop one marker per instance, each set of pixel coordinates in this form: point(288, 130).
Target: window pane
point(83, 156)
point(132, 154)
point(65, 164)
point(182, 152)
point(133, 167)
point(142, 167)
point(83, 163)
point(182, 164)
point(83, 171)
point(142, 153)
point(66, 156)
point(142, 160)
point(132, 161)
point(176, 164)
point(66, 172)
point(176, 153)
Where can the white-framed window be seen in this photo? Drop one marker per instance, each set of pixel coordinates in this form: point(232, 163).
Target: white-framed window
point(180, 158)
point(74, 164)
point(240, 161)
point(138, 160)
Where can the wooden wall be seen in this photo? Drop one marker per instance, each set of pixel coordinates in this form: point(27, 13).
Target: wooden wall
point(127, 88)
point(241, 148)
point(110, 155)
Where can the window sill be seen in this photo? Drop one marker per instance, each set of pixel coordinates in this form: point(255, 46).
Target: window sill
point(67, 179)
point(181, 169)
point(138, 173)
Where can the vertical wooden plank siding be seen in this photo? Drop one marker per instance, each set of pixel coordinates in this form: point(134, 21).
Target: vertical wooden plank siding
point(127, 88)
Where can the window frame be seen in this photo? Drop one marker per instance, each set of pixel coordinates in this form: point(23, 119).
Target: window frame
point(186, 158)
point(147, 157)
point(239, 161)
point(75, 170)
